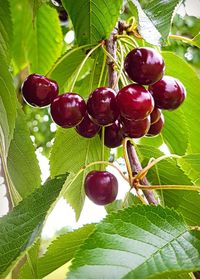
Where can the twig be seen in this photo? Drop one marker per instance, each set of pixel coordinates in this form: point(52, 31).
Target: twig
point(136, 167)
point(112, 77)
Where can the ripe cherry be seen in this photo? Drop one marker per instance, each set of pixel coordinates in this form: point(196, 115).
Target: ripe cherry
point(144, 65)
point(135, 102)
point(102, 106)
point(113, 135)
point(155, 115)
point(68, 110)
point(156, 128)
point(87, 128)
point(168, 93)
point(135, 129)
point(39, 91)
point(101, 187)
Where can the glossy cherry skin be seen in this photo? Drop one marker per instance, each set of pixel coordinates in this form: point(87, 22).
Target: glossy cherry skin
point(144, 65)
point(68, 110)
point(134, 102)
point(156, 128)
point(87, 128)
point(101, 187)
point(155, 115)
point(168, 93)
point(113, 135)
point(135, 129)
point(39, 91)
point(102, 106)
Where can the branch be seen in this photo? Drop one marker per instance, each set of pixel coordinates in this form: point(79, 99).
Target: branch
point(136, 167)
point(112, 77)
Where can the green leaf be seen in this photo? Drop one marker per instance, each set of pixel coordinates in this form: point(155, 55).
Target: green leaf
point(145, 241)
point(7, 93)
point(6, 34)
point(22, 29)
point(67, 65)
point(190, 164)
point(93, 21)
point(46, 43)
point(154, 19)
point(60, 251)
point(70, 153)
point(130, 200)
point(175, 131)
point(36, 42)
point(196, 40)
point(167, 172)
point(22, 163)
point(177, 67)
point(19, 228)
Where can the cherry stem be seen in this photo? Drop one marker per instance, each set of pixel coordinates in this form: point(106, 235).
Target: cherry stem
point(126, 158)
point(121, 67)
point(111, 57)
point(99, 163)
point(134, 42)
point(194, 228)
point(169, 187)
point(102, 145)
point(181, 38)
point(82, 64)
point(64, 57)
point(145, 170)
point(102, 70)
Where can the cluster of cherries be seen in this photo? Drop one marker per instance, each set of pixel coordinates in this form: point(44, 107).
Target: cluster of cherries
point(135, 111)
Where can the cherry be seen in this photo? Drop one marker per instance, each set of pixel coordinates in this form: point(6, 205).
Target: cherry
point(135, 129)
point(155, 115)
point(135, 102)
point(113, 135)
point(144, 65)
point(102, 106)
point(39, 91)
point(68, 110)
point(168, 93)
point(101, 187)
point(156, 128)
point(87, 128)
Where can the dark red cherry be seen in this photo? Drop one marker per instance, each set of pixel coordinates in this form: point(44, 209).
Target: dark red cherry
point(102, 106)
point(135, 129)
point(101, 187)
point(156, 128)
point(155, 115)
point(39, 91)
point(68, 110)
point(113, 135)
point(168, 93)
point(87, 128)
point(135, 102)
point(144, 65)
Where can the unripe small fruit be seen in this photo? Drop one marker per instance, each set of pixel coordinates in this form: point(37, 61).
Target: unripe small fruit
point(101, 187)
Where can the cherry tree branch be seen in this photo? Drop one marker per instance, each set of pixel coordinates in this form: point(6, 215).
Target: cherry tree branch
point(112, 77)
